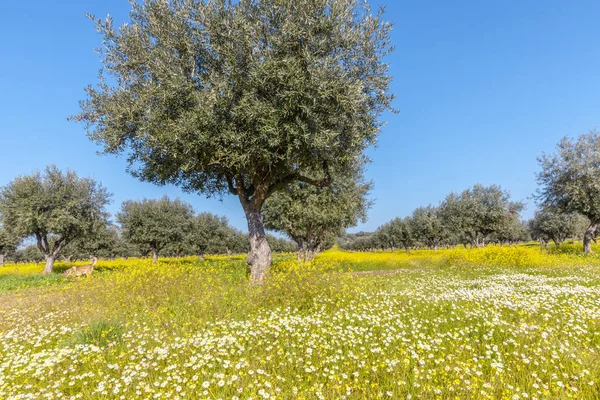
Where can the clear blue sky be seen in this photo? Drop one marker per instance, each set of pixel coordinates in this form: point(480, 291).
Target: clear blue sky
point(483, 89)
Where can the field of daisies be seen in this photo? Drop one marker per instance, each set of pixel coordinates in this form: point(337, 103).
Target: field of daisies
point(492, 323)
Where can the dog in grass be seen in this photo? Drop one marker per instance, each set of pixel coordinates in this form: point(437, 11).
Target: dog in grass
point(82, 269)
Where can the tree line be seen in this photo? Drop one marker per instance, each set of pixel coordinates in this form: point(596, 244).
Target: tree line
point(274, 103)
point(65, 216)
point(568, 200)
point(474, 217)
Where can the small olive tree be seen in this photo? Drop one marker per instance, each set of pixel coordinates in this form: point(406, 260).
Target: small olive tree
point(153, 224)
point(241, 97)
point(313, 215)
point(548, 224)
point(570, 180)
point(54, 207)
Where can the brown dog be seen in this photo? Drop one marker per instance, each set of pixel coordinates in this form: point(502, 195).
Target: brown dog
point(82, 269)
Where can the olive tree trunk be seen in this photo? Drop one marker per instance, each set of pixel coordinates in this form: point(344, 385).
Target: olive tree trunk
point(259, 256)
point(154, 255)
point(589, 235)
point(50, 259)
point(2, 259)
point(300, 244)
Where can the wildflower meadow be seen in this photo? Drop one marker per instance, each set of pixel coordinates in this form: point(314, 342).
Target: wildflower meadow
point(490, 323)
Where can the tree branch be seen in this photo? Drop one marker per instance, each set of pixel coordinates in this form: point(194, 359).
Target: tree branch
point(232, 189)
point(41, 239)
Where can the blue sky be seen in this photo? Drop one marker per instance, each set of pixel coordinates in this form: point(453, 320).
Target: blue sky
point(482, 87)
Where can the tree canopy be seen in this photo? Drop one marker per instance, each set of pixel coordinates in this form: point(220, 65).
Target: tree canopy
point(241, 97)
point(551, 224)
point(312, 215)
point(478, 212)
point(427, 226)
point(398, 232)
point(570, 180)
point(153, 224)
point(52, 204)
point(8, 243)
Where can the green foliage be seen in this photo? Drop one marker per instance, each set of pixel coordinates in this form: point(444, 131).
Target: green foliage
point(213, 234)
point(427, 226)
point(241, 97)
point(398, 232)
point(551, 224)
point(479, 212)
point(280, 245)
point(30, 253)
point(359, 241)
point(512, 231)
point(102, 242)
point(8, 243)
point(312, 215)
point(153, 224)
point(569, 178)
point(52, 204)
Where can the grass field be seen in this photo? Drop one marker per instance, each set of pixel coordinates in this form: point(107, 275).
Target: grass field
point(497, 323)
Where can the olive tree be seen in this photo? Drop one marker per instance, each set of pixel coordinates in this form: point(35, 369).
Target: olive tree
point(401, 229)
point(312, 215)
point(153, 224)
point(54, 207)
point(548, 224)
point(102, 242)
point(206, 229)
point(570, 180)
point(212, 234)
point(427, 226)
point(395, 233)
point(480, 212)
point(8, 243)
point(512, 231)
point(241, 97)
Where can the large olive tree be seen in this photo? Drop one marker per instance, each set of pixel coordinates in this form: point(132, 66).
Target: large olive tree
point(54, 207)
point(570, 180)
point(241, 97)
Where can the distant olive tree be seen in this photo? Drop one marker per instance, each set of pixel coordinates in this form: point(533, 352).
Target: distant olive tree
point(427, 226)
point(281, 245)
point(52, 205)
point(398, 232)
point(570, 180)
point(153, 224)
point(312, 215)
point(241, 97)
point(512, 231)
point(479, 212)
point(8, 243)
point(103, 241)
point(548, 224)
point(206, 232)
